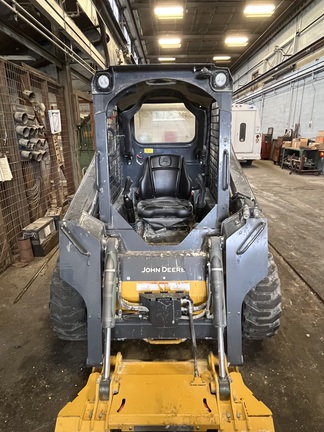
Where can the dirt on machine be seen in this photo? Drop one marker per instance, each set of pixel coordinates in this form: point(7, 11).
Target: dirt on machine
point(164, 246)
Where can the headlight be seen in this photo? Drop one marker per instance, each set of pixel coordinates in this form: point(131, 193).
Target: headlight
point(220, 80)
point(104, 82)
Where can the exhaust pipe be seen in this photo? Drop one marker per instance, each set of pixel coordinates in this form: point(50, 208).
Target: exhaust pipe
point(42, 142)
point(23, 131)
point(26, 155)
point(44, 154)
point(32, 132)
point(29, 95)
point(21, 117)
point(24, 142)
point(35, 141)
point(37, 156)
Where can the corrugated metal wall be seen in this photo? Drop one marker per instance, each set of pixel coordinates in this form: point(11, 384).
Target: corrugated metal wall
point(39, 160)
point(289, 98)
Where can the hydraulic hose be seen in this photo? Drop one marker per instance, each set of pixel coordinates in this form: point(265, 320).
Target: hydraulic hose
point(188, 301)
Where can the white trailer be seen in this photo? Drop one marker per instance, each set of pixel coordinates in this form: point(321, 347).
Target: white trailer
point(246, 132)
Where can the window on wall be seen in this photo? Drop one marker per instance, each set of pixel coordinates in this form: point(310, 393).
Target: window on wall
point(164, 123)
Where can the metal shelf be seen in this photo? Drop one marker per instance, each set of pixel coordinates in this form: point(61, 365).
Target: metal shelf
point(300, 160)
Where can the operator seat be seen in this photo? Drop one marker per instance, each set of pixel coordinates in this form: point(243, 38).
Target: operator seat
point(164, 191)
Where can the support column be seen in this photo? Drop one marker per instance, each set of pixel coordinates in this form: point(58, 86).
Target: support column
point(65, 79)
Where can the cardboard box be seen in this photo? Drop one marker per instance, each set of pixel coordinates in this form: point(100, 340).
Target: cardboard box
point(319, 139)
point(303, 142)
point(320, 133)
point(286, 144)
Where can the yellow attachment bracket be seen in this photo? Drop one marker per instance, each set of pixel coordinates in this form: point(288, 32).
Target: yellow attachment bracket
point(164, 396)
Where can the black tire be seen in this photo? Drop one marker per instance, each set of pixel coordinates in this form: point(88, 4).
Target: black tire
point(249, 162)
point(262, 306)
point(67, 310)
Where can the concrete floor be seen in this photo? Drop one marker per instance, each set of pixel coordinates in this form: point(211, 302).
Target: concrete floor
point(40, 374)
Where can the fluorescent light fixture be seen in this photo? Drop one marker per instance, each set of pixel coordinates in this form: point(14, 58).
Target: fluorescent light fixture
point(169, 12)
point(238, 40)
point(166, 59)
point(222, 58)
point(259, 9)
point(170, 42)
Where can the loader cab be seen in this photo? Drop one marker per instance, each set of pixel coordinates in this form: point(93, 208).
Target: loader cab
point(160, 206)
point(163, 149)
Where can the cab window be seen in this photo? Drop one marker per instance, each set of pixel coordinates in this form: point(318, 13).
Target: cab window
point(164, 123)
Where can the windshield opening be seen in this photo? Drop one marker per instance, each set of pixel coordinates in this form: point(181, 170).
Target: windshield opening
point(164, 123)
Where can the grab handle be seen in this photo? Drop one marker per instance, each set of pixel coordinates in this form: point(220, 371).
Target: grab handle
point(254, 234)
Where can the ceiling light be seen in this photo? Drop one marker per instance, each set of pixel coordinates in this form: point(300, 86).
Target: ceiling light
point(169, 12)
point(236, 40)
point(166, 59)
point(222, 58)
point(259, 9)
point(170, 42)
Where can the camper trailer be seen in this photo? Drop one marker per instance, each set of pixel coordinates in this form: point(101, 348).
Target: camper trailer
point(246, 132)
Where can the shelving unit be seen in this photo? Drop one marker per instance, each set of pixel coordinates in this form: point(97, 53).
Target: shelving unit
point(300, 160)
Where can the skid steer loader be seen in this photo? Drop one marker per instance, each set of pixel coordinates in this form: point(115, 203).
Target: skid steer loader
point(164, 242)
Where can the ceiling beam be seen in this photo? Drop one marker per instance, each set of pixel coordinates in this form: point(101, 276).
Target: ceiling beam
point(77, 74)
point(54, 13)
point(285, 65)
point(30, 44)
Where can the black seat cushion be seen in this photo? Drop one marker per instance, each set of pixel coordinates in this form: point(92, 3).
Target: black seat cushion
point(164, 207)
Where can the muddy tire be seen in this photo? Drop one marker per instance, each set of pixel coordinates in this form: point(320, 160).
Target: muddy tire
point(67, 310)
point(262, 306)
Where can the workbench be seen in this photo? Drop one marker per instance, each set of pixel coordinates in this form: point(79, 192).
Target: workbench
point(300, 160)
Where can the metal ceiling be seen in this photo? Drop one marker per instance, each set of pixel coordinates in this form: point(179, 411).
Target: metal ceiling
point(27, 28)
point(205, 26)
